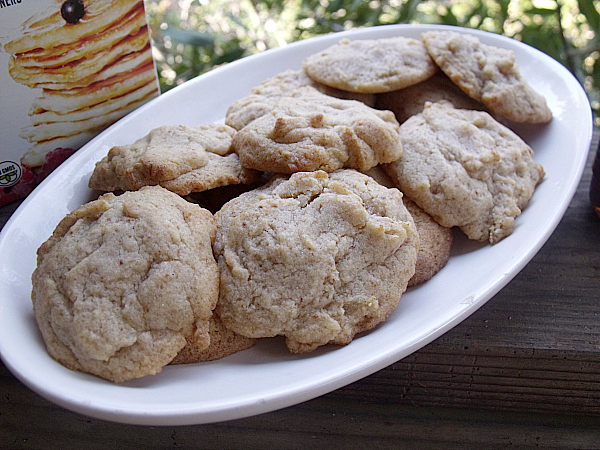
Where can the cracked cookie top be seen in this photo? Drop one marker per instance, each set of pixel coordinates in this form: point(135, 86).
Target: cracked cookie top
point(487, 74)
point(124, 283)
point(315, 257)
point(309, 131)
point(465, 169)
point(371, 65)
point(180, 158)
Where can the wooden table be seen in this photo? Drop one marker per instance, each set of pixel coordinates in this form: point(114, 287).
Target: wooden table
point(523, 370)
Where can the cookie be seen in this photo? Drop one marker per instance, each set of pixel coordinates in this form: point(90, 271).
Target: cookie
point(371, 65)
point(435, 240)
point(223, 342)
point(436, 244)
point(409, 101)
point(124, 283)
point(181, 158)
point(315, 257)
point(465, 169)
point(487, 74)
point(310, 131)
point(221, 171)
point(263, 97)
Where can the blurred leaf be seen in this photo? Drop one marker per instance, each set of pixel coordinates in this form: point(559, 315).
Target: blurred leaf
point(189, 37)
point(356, 3)
point(408, 11)
point(449, 18)
point(591, 14)
point(335, 5)
point(231, 55)
point(504, 15)
point(540, 11)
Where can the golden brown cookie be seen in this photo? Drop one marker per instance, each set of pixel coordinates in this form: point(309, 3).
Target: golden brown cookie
point(488, 74)
point(181, 158)
point(124, 283)
point(317, 258)
point(223, 342)
point(435, 240)
point(465, 169)
point(371, 65)
point(263, 97)
point(309, 131)
point(436, 244)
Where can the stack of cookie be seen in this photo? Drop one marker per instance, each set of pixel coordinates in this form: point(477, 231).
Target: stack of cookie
point(93, 63)
point(324, 209)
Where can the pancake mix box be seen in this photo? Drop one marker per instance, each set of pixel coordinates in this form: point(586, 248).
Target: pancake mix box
point(68, 70)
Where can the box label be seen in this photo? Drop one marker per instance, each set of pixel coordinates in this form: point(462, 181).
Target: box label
point(68, 70)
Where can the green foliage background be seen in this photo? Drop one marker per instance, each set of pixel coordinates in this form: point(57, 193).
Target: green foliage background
point(192, 36)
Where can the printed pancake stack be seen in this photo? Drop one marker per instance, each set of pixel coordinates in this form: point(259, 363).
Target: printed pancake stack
point(92, 60)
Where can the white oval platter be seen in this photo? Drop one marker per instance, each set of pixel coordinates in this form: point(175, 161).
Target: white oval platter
point(267, 377)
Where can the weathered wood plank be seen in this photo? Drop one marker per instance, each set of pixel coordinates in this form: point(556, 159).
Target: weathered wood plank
point(340, 421)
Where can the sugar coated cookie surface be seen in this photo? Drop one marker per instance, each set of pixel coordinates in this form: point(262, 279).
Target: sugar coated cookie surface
point(126, 282)
point(310, 131)
point(465, 169)
point(371, 65)
point(317, 258)
point(488, 74)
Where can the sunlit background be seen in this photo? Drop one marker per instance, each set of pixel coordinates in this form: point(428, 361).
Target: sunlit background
point(192, 36)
